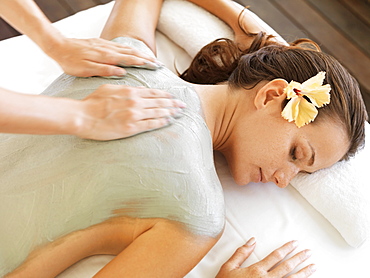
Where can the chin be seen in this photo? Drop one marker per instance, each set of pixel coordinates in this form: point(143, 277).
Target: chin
point(240, 180)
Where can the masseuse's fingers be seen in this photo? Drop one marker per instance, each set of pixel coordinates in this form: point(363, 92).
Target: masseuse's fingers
point(129, 57)
point(98, 57)
point(115, 111)
point(150, 124)
point(123, 57)
point(152, 104)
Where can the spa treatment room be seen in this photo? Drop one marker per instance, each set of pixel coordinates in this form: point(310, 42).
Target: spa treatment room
point(175, 138)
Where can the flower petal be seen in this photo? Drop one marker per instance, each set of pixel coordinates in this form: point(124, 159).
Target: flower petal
point(291, 110)
point(289, 90)
point(319, 96)
point(307, 113)
point(314, 82)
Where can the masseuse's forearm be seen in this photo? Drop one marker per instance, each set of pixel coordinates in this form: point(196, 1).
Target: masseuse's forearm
point(27, 18)
point(30, 114)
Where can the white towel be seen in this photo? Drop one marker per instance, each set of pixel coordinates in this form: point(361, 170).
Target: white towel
point(181, 21)
point(340, 193)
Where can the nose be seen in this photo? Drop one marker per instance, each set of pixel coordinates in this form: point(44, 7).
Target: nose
point(283, 176)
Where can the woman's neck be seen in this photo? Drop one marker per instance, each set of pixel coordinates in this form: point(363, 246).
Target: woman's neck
point(221, 109)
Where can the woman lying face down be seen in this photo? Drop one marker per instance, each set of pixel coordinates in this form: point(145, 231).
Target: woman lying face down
point(154, 200)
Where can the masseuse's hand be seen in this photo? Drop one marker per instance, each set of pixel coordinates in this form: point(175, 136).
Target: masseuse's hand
point(271, 266)
point(96, 57)
point(116, 111)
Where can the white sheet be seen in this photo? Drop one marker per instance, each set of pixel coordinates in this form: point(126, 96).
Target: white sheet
point(264, 211)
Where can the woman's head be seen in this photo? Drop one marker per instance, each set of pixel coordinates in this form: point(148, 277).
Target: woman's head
point(263, 146)
point(344, 117)
point(346, 107)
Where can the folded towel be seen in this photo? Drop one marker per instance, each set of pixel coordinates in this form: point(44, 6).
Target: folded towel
point(340, 193)
point(181, 21)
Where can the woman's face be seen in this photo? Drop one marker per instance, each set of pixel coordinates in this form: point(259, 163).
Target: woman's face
point(277, 150)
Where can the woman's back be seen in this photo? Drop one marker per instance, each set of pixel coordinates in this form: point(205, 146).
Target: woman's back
point(54, 185)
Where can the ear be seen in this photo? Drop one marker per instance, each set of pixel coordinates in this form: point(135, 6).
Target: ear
point(271, 93)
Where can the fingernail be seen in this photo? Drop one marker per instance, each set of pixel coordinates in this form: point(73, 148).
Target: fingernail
point(147, 65)
point(113, 77)
point(170, 120)
point(178, 113)
point(182, 104)
point(159, 63)
point(295, 243)
point(251, 242)
point(119, 72)
point(308, 253)
point(313, 268)
point(151, 65)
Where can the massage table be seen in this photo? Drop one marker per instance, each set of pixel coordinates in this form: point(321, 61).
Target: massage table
point(333, 223)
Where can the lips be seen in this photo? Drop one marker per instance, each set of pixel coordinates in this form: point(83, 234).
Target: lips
point(263, 179)
point(258, 177)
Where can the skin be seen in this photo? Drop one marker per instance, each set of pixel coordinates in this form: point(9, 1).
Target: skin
point(106, 114)
point(79, 57)
point(282, 149)
point(162, 248)
point(147, 246)
point(111, 112)
point(271, 266)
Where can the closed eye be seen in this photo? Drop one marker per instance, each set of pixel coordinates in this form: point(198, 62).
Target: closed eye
point(305, 172)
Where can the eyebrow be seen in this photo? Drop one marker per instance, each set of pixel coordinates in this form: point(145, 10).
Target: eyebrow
point(312, 159)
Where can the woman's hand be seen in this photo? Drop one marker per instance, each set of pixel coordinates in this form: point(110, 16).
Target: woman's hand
point(96, 57)
point(273, 265)
point(115, 111)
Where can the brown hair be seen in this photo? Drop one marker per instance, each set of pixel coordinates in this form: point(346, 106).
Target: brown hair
point(267, 59)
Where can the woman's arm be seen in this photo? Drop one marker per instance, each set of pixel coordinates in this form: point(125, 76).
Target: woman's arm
point(231, 13)
point(134, 18)
point(143, 248)
point(111, 112)
point(80, 57)
point(165, 250)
